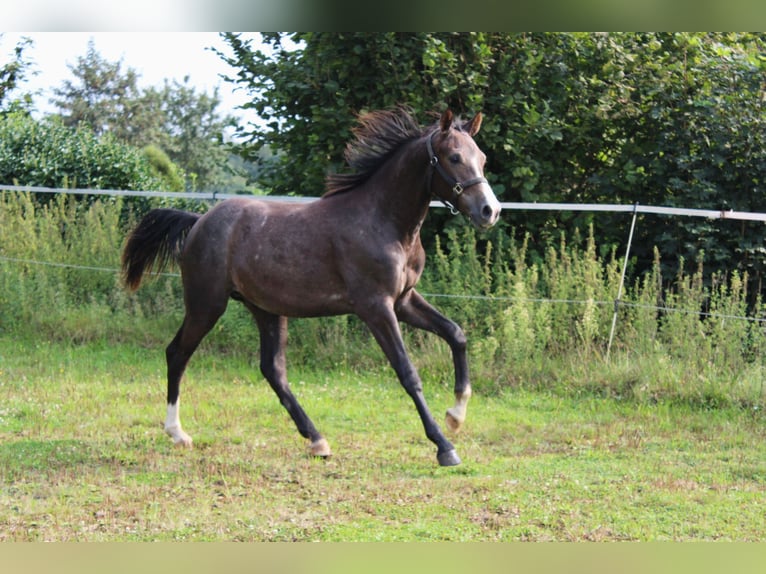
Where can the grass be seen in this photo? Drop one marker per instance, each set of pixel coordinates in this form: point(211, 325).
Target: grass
point(83, 457)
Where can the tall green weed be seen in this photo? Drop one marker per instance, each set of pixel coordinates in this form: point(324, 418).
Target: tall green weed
point(540, 322)
point(60, 261)
point(547, 323)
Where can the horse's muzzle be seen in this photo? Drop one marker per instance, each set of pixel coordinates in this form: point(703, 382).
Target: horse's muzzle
point(483, 207)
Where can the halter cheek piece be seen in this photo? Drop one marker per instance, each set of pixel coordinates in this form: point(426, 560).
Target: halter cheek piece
point(457, 186)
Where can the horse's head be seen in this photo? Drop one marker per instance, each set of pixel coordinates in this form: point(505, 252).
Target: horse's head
point(459, 162)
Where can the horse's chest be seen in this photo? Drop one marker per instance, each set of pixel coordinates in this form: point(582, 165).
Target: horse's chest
point(413, 269)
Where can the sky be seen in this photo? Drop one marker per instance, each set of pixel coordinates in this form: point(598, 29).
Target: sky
point(155, 56)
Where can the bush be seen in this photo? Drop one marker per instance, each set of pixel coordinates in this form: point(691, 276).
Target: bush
point(46, 153)
point(546, 323)
point(164, 168)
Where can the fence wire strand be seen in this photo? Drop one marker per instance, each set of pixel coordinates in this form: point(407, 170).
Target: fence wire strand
point(466, 297)
point(73, 266)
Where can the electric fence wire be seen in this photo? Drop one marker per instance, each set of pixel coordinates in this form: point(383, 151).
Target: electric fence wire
point(467, 297)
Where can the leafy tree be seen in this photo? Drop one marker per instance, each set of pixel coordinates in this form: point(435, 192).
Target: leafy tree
point(99, 96)
point(193, 132)
point(12, 73)
point(183, 123)
point(655, 118)
point(309, 97)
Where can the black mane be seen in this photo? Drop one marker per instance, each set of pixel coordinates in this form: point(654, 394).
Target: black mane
point(377, 135)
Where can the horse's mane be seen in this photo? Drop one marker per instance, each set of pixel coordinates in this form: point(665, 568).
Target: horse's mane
point(376, 136)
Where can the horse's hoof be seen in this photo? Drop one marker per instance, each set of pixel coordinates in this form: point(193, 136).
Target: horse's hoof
point(452, 422)
point(320, 448)
point(449, 458)
point(180, 438)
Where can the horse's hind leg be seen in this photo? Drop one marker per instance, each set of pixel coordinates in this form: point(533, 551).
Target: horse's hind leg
point(273, 331)
point(197, 323)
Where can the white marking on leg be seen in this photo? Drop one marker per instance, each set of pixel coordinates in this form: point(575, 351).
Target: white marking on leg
point(173, 426)
point(456, 415)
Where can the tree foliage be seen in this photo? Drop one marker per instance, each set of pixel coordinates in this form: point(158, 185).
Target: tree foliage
point(309, 98)
point(183, 123)
point(13, 73)
point(192, 131)
point(49, 154)
point(655, 118)
point(99, 95)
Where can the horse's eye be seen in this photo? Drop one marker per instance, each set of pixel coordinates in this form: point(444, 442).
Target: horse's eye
point(454, 158)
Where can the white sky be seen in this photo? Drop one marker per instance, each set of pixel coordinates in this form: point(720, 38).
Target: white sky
point(155, 56)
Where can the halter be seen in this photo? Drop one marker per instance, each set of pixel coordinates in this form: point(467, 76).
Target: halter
point(457, 186)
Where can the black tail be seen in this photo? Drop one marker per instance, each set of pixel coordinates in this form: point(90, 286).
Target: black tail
point(156, 242)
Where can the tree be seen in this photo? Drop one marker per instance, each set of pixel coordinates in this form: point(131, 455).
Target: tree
point(193, 132)
point(655, 118)
point(13, 73)
point(176, 118)
point(99, 96)
point(309, 97)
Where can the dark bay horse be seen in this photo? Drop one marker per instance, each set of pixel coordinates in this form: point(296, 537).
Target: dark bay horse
point(355, 250)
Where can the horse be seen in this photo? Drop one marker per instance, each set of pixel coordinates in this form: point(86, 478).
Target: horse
point(354, 250)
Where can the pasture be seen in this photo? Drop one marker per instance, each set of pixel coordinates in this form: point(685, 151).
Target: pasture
point(663, 442)
point(83, 457)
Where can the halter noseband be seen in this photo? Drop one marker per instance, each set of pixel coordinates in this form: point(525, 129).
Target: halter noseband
point(457, 186)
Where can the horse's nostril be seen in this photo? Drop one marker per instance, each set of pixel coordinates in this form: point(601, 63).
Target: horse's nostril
point(487, 212)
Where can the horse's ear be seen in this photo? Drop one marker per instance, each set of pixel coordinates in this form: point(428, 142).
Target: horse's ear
point(446, 121)
point(473, 126)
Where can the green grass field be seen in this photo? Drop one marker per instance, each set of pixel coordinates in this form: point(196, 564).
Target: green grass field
point(83, 457)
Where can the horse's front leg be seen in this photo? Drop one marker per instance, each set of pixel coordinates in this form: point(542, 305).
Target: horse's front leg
point(383, 323)
point(417, 312)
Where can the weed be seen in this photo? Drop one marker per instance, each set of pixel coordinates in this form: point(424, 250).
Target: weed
point(523, 314)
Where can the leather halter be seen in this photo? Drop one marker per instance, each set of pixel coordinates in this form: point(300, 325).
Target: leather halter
point(457, 186)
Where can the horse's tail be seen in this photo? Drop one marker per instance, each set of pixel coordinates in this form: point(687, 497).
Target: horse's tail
point(155, 243)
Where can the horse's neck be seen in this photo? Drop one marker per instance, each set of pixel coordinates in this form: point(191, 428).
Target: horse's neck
point(399, 192)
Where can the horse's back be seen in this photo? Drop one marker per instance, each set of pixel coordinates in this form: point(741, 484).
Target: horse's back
point(236, 221)
point(278, 256)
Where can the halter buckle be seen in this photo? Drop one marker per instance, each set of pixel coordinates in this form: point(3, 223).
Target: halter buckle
point(458, 188)
point(452, 209)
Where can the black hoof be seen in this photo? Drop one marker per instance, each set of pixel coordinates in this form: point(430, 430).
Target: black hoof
point(449, 458)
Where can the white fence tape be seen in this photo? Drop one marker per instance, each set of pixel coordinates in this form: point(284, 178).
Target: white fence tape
point(520, 206)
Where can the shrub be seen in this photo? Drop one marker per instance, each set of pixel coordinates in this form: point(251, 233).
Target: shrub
point(46, 153)
point(164, 168)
